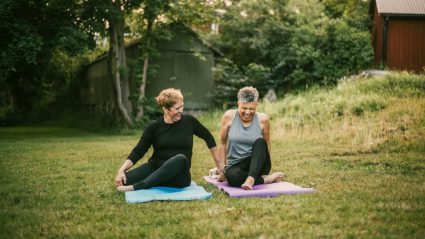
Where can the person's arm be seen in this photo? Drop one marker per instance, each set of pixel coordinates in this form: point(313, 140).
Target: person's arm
point(137, 153)
point(219, 161)
point(120, 179)
point(144, 144)
point(202, 132)
point(265, 126)
point(224, 130)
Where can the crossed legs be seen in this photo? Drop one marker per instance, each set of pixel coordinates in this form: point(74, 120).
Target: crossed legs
point(253, 170)
point(173, 173)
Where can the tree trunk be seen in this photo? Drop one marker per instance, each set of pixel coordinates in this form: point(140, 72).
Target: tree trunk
point(118, 67)
point(142, 88)
point(20, 93)
point(14, 91)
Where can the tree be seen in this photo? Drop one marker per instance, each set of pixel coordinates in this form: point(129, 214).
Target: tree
point(253, 34)
point(290, 44)
point(354, 12)
point(152, 25)
point(31, 40)
point(108, 18)
point(98, 14)
point(151, 10)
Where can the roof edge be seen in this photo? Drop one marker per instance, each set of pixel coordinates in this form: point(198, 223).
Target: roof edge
point(389, 14)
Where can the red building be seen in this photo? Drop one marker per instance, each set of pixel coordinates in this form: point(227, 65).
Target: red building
point(398, 34)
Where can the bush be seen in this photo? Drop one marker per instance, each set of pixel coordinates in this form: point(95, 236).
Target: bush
point(293, 47)
point(229, 79)
point(344, 51)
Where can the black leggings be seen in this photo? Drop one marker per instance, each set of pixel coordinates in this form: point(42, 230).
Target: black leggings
point(258, 164)
point(173, 173)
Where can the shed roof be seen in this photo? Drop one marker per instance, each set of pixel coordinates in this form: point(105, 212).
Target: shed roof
point(401, 7)
point(179, 26)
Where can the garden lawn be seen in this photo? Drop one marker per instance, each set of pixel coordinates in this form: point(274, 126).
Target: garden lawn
point(59, 183)
point(368, 170)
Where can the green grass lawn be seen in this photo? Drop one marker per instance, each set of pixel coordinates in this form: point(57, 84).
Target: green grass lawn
point(368, 170)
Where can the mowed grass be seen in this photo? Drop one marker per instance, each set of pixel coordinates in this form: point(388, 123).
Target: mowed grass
point(366, 163)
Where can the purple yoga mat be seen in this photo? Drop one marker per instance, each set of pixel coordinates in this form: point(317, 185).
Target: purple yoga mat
point(261, 190)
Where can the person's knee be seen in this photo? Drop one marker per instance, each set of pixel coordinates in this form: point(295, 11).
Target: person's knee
point(235, 181)
point(234, 177)
point(260, 142)
point(180, 158)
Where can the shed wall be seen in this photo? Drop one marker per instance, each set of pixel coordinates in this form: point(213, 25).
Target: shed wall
point(406, 44)
point(190, 73)
point(99, 88)
point(184, 63)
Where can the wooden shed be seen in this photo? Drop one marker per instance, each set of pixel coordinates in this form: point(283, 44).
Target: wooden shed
point(398, 34)
point(185, 62)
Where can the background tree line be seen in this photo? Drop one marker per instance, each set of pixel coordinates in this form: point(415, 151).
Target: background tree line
point(289, 45)
point(284, 45)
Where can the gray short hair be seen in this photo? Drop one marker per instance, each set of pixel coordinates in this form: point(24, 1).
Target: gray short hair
point(248, 94)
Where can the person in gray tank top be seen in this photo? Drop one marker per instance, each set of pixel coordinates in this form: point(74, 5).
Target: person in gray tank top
point(245, 143)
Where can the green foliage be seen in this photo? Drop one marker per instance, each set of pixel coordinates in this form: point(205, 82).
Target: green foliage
point(228, 79)
point(354, 12)
point(335, 8)
point(40, 37)
point(246, 29)
point(151, 112)
point(292, 44)
point(357, 15)
point(345, 50)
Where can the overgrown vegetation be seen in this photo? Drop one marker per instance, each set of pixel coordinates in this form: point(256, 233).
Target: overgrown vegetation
point(59, 183)
point(39, 56)
point(281, 44)
point(290, 45)
point(362, 114)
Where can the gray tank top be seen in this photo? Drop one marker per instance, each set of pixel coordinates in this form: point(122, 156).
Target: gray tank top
point(240, 139)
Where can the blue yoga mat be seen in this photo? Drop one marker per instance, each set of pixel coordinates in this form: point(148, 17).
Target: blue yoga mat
point(193, 192)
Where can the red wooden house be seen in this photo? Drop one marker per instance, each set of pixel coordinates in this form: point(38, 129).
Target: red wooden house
point(398, 34)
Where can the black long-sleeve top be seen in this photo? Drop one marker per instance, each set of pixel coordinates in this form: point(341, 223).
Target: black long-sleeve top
point(168, 140)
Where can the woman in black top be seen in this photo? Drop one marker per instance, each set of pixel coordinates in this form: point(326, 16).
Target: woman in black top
point(171, 137)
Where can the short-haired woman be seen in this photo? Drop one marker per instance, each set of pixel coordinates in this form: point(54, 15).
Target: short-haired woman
point(245, 143)
point(171, 137)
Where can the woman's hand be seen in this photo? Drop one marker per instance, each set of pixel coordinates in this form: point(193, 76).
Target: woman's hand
point(120, 179)
point(221, 177)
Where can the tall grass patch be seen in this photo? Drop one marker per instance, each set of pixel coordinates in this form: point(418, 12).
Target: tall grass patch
point(361, 114)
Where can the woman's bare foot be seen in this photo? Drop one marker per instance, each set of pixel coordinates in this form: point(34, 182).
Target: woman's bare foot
point(249, 182)
point(273, 178)
point(125, 188)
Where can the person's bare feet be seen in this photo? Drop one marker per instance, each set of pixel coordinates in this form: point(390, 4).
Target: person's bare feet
point(273, 178)
point(125, 188)
point(249, 182)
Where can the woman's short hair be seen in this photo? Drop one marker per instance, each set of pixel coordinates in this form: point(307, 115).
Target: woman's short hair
point(248, 94)
point(168, 97)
